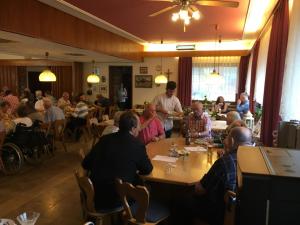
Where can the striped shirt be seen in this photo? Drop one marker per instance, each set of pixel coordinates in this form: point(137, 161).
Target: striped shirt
point(81, 110)
point(199, 124)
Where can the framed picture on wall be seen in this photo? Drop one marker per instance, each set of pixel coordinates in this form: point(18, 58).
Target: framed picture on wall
point(103, 89)
point(143, 81)
point(143, 70)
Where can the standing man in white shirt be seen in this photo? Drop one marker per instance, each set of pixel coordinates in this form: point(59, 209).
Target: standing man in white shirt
point(168, 105)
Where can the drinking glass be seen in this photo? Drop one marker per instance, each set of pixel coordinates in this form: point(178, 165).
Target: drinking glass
point(28, 218)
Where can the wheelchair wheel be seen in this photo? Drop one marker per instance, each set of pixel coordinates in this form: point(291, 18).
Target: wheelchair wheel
point(33, 155)
point(12, 158)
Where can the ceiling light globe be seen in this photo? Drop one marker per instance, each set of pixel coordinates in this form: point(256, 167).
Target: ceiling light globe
point(196, 15)
point(183, 14)
point(47, 76)
point(175, 17)
point(187, 21)
point(93, 79)
point(161, 79)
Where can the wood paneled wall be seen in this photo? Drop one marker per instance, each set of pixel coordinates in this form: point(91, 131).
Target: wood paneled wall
point(9, 77)
point(78, 78)
point(35, 19)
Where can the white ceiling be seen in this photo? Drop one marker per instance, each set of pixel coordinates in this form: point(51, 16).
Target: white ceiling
point(23, 47)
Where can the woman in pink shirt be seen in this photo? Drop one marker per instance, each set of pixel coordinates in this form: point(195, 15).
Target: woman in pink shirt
point(151, 126)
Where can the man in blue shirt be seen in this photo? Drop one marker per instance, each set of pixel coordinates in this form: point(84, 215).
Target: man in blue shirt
point(242, 105)
point(207, 201)
point(52, 113)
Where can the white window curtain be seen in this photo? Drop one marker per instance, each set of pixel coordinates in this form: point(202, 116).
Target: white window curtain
point(262, 66)
point(290, 100)
point(204, 85)
point(248, 80)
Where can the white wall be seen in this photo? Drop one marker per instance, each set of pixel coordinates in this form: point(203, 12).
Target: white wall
point(140, 95)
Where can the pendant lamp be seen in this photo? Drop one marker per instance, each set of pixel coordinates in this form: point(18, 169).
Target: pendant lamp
point(93, 78)
point(47, 75)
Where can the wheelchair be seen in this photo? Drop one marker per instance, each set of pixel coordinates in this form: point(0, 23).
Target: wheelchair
point(25, 144)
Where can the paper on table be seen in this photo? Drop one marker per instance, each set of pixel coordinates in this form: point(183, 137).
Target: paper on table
point(195, 149)
point(164, 158)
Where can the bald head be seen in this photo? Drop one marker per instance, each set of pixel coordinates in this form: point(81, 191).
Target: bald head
point(232, 116)
point(240, 136)
point(197, 108)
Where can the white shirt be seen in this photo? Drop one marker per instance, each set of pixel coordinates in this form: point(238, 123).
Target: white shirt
point(110, 129)
point(25, 120)
point(39, 105)
point(169, 104)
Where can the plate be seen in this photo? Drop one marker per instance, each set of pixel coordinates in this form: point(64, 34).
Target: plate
point(7, 222)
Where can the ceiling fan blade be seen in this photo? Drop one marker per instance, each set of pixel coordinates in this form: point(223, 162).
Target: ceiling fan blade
point(163, 10)
point(194, 8)
point(232, 4)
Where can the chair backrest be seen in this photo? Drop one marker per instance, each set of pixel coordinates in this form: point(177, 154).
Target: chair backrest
point(141, 196)
point(230, 205)
point(59, 128)
point(86, 191)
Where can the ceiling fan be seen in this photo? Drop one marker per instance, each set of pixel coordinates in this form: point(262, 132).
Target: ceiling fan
point(188, 8)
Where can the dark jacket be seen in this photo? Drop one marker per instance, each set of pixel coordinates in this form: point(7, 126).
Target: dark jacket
point(117, 155)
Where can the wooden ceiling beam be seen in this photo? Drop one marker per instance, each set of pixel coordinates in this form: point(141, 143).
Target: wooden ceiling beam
point(32, 62)
point(197, 53)
point(38, 20)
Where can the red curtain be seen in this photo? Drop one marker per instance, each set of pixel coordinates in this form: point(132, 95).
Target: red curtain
point(253, 74)
point(9, 77)
point(185, 80)
point(243, 70)
point(275, 71)
point(63, 80)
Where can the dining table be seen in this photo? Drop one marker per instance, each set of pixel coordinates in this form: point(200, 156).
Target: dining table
point(185, 170)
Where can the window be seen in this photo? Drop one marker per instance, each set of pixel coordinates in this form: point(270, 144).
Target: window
point(205, 85)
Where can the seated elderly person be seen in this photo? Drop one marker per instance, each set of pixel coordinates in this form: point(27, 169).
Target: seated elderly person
point(39, 104)
point(22, 116)
point(64, 101)
point(52, 113)
point(198, 122)
point(151, 126)
point(79, 115)
point(232, 116)
point(118, 155)
point(6, 117)
point(33, 114)
point(113, 128)
point(207, 201)
point(242, 105)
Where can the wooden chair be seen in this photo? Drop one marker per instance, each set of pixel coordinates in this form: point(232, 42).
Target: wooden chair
point(101, 112)
point(87, 201)
point(141, 195)
point(111, 111)
point(59, 132)
point(230, 204)
point(96, 131)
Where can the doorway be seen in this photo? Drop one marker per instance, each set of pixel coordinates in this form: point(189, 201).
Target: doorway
point(34, 84)
point(119, 75)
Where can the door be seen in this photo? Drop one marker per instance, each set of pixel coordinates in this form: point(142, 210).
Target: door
point(119, 75)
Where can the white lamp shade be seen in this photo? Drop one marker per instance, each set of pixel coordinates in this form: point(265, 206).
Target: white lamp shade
point(161, 79)
point(93, 78)
point(47, 76)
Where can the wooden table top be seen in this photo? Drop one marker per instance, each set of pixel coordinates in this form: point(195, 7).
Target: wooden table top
point(187, 170)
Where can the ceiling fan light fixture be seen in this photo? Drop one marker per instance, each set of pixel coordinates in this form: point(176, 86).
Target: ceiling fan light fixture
point(196, 15)
point(175, 17)
point(187, 21)
point(183, 14)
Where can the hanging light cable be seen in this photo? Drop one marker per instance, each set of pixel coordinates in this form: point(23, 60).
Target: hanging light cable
point(93, 78)
point(161, 78)
point(47, 75)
